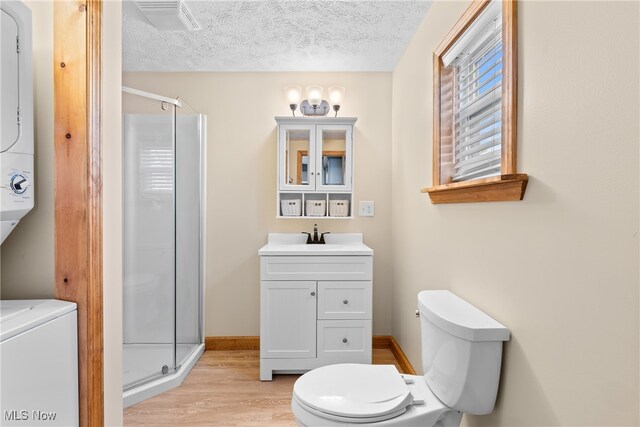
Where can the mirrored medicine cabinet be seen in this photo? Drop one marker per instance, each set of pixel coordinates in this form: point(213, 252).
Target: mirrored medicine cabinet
point(315, 167)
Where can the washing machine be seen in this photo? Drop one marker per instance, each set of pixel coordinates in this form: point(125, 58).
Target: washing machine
point(38, 363)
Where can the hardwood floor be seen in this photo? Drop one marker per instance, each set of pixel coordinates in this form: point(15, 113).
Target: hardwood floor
point(223, 389)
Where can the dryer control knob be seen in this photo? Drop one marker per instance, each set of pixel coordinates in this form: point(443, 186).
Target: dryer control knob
point(18, 184)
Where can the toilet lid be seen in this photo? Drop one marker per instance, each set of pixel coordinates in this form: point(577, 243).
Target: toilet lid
point(354, 390)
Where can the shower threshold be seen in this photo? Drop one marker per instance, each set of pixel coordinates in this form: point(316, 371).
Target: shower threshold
point(145, 363)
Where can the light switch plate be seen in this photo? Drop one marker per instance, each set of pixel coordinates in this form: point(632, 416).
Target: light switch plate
point(366, 208)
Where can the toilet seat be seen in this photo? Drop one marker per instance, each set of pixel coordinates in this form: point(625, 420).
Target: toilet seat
point(349, 420)
point(354, 393)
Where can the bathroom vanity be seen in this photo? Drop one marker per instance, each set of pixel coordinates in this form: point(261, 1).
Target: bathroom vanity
point(315, 303)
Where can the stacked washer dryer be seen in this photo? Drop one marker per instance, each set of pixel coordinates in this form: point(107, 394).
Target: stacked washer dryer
point(38, 338)
point(16, 145)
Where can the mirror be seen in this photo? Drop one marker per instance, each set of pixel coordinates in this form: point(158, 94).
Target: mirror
point(333, 167)
point(296, 157)
point(303, 168)
point(333, 163)
point(334, 145)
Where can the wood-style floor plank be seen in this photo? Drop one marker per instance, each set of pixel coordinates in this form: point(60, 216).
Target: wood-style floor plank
point(224, 389)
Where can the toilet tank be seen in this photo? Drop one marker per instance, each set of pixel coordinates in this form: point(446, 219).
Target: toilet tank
point(461, 352)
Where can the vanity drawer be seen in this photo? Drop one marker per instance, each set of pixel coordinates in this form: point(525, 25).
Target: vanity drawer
point(344, 339)
point(344, 300)
point(316, 267)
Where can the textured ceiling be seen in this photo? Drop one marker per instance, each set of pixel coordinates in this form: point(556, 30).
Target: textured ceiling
point(275, 35)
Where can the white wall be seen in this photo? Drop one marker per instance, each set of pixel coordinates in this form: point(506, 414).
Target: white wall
point(241, 179)
point(112, 209)
point(559, 269)
point(27, 254)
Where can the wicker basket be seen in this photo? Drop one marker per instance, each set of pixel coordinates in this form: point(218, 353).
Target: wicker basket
point(338, 208)
point(291, 207)
point(316, 207)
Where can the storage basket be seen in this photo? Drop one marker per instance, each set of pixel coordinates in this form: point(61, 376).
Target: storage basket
point(338, 208)
point(316, 207)
point(291, 207)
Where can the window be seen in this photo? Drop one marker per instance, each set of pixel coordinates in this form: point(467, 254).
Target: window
point(474, 153)
point(156, 172)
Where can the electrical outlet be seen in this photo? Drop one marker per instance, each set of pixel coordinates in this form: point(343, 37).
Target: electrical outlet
point(366, 208)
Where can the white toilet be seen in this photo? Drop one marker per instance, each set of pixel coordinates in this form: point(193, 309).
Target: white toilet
point(461, 357)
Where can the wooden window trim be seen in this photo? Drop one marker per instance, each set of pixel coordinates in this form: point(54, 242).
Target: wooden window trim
point(510, 185)
point(493, 189)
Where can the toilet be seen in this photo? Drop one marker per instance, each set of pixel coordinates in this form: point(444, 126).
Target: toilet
point(461, 358)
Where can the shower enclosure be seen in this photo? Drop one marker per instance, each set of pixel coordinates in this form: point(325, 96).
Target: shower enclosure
point(163, 247)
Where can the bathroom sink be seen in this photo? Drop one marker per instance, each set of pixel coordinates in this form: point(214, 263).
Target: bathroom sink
point(294, 244)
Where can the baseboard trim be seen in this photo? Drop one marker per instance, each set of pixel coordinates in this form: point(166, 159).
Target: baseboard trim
point(253, 343)
point(402, 359)
point(381, 341)
point(388, 341)
point(232, 343)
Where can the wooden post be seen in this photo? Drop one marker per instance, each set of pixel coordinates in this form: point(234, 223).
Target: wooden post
point(78, 188)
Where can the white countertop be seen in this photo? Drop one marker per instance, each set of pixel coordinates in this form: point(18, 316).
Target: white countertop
point(293, 244)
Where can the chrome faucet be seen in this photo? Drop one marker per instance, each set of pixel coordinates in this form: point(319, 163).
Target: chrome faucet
point(315, 240)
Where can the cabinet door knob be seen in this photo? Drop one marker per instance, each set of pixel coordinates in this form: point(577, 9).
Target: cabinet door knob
point(313, 294)
point(417, 313)
point(344, 340)
point(345, 302)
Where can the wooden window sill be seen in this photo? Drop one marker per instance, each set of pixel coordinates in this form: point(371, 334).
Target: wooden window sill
point(501, 188)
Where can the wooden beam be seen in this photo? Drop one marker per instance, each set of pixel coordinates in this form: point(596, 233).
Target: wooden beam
point(78, 188)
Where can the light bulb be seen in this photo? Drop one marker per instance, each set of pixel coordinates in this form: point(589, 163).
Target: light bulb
point(293, 94)
point(336, 95)
point(314, 95)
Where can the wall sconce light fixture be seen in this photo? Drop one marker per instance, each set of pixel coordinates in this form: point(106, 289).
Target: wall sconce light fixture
point(314, 105)
point(336, 96)
point(293, 94)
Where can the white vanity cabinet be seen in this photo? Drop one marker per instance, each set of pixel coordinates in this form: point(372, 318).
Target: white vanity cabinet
point(315, 303)
point(289, 307)
point(315, 167)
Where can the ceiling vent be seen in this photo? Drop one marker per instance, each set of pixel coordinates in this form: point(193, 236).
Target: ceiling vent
point(170, 15)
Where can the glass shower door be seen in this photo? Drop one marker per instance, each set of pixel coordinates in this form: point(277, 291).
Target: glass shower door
point(189, 137)
point(149, 295)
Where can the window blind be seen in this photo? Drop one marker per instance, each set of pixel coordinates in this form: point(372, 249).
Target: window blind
point(477, 100)
point(156, 172)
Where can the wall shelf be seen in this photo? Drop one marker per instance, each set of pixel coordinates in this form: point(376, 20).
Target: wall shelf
point(331, 210)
